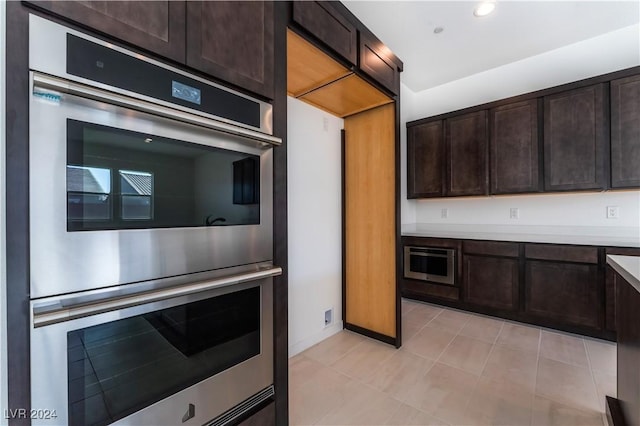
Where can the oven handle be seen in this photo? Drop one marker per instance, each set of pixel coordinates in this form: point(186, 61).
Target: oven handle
point(77, 89)
point(61, 310)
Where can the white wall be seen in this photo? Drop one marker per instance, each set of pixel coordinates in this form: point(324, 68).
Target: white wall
point(607, 53)
point(315, 224)
point(3, 288)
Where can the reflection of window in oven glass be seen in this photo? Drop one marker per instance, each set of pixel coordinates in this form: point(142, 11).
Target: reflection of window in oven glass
point(88, 193)
point(136, 195)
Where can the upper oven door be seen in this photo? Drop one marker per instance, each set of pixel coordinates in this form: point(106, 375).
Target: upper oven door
point(119, 196)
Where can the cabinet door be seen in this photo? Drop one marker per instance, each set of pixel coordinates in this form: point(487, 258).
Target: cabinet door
point(376, 64)
point(514, 148)
point(610, 286)
point(157, 26)
point(575, 140)
point(329, 26)
point(466, 137)
point(491, 281)
point(233, 41)
point(625, 132)
point(567, 293)
point(425, 160)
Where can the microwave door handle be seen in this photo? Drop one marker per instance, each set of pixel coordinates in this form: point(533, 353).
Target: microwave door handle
point(46, 313)
point(427, 254)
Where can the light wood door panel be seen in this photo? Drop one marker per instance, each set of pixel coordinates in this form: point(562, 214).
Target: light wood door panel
point(370, 220)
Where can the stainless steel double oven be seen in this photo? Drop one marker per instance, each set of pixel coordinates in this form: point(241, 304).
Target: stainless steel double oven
point(150, 238)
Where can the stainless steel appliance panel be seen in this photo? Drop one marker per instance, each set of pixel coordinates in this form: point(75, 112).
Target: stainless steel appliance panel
point(66, 262)
point(430, 264)
point(211, 397)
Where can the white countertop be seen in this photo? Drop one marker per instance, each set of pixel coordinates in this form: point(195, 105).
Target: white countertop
point(628, 267)
point(580, 235)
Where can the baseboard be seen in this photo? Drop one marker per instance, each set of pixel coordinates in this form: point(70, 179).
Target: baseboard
point(300, 346)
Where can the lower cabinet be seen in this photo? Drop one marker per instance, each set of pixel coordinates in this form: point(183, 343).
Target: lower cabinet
point(489, 280)
point(264, 417)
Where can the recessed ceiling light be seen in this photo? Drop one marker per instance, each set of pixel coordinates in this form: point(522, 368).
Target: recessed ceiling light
point(484, 8)
point(438, 30)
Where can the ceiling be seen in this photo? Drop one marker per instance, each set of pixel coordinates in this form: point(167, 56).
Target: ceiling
point(469, 45)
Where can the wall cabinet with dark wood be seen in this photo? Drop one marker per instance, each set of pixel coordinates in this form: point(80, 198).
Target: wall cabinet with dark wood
point(491, 274)
point(562, 284)
point(375, 62)
point(466, 141)
point(425, 160)
point(625, 132)
point(515, 148)
point(575, 139)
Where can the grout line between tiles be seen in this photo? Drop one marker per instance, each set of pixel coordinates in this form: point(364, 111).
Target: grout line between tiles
point(535, 382)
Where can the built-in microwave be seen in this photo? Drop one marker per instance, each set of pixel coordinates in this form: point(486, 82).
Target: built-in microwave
point(430, 264)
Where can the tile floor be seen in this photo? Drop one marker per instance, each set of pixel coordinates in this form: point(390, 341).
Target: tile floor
point(455, 368)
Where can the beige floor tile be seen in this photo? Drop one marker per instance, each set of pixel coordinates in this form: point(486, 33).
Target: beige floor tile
point(521, 337)
point(407, 306)
point(606, 385)
point(364, 359)
point(409, 329)
point(449, 320)
point(481, 328)
point(312, 400)
point(602, 355)
point(422, 314)
point(303, 369)
point(509, 365)
point(335, 347)
point(407, 415)
point(567, 384)
point(563, 348)
point(496, 403)
point(429, 342)
point(443, 392)
point(552, 413)
point(397, 374)
point(467, 354)
point(366, 406)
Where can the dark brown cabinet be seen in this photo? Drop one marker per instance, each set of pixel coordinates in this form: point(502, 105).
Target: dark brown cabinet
point(425, 160)
point(625, 132)
point(329, 26)
point(157, 26)
point(611, 285)
point(491, 274)
point(514, 148)
point(377, 64)
point(575, 139)
point(563, 290)
point(233, 41)
point(466, 141)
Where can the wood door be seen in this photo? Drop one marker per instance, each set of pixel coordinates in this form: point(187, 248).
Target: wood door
point(466, 139)
point(156, 26)
point(514, 148)
point(425, 160)
point(376, 64)
point(567, 293)
point(370, 221)
point(329, 26)
point(575, 139)
point(491, 281)
point(233, 41)
point(625, 132)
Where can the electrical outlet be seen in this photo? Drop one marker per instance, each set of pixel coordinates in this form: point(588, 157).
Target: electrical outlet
point(328, 317)
point(444, 213)
point(613, 212)
point(514, 213)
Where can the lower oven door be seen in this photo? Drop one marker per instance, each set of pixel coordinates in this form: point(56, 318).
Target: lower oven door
point(180, 360)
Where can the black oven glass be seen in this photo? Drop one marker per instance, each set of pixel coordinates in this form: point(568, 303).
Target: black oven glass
point(118, 179)
point(436, 266)
point(120, 367)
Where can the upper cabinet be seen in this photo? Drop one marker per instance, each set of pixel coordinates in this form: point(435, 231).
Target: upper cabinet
point(625, 132)
point(228, 40)
point(233, 41)
point(157, 26)
point(466, 139)
point(329, 26)
point(575, 139)
point(514, 148)
point(425, 160)
point(374, 61)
